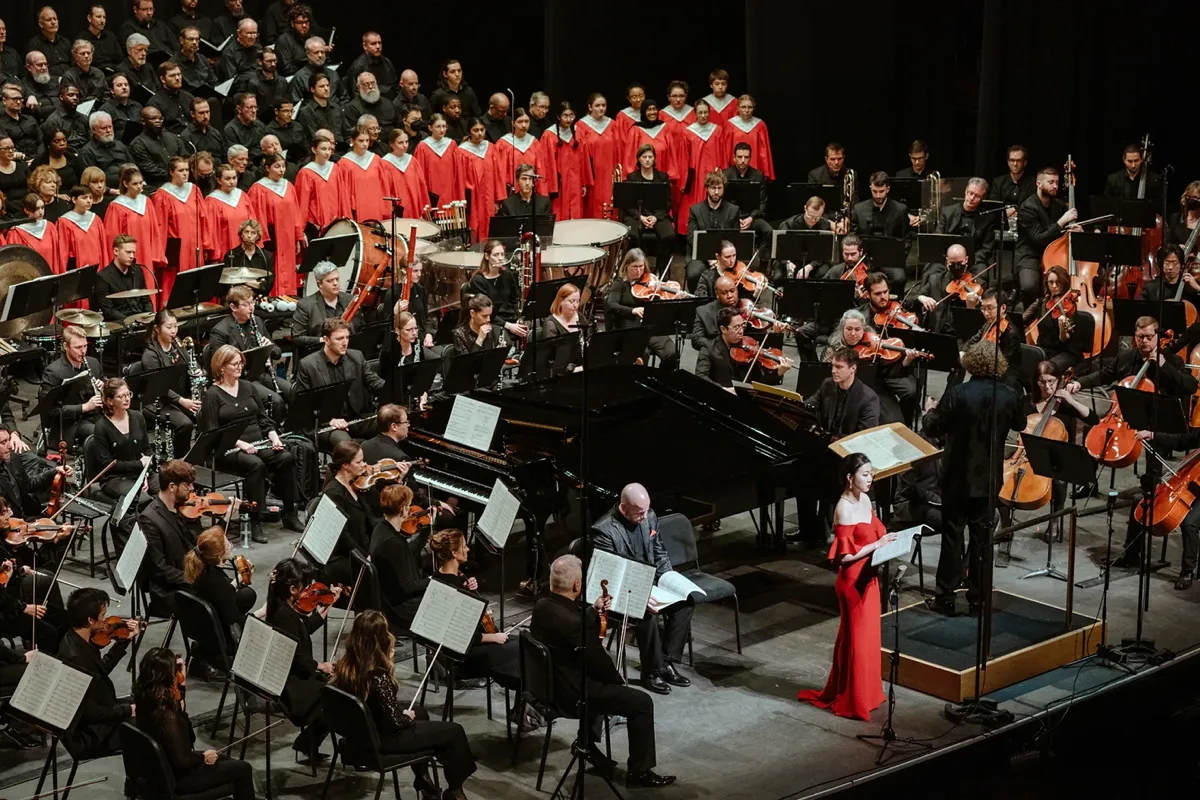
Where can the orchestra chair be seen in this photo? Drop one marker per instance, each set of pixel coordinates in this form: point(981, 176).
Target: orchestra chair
point(199, 623)
point(537, 680)
point(369, 597)
point(1031, 354)
point(356, 740)
point(680, 541)
point(147, 773)
point(50, 766)
point(92, 506)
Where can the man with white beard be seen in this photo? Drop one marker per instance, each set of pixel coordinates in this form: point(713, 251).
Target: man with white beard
point(104, 150)
point(40, 87)
point(370, 101)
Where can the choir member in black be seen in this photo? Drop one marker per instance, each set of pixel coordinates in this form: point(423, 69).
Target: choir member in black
point(206, 570)
point(245, 330)
point(518, 204)
point(713, 214)
point(451, 84)
point(162, 715)
point(476, 332)
point(121, 438)
point(1124, 183)
point(651, 229)
point(62, 156)
point(742, 172)
point(346, 465)
point(1014, 187)
point(397, 558)
point(367, 671)
point(95, 733)
point(843, 404)
point(163, 350)
point(994, 311)
point(1063, 336)
point(833, 172)
point(1041, 219)
point(623, 310)
point(932, 295)
point(261, 453)
point(629, 530)
point(311, 312)
point(881, 216)
point(14, 173)
point(493, 655)
point(1181, 225)
point(558, 624)
point(108, 49)
point(975, 418)
point(22, 484)
point(248, 254)
point(563, 320)
point(894, 382)
point(918, 158)
point(335, 363)
point(302, 690)
point(494, 280)
point(704, 328)
point(121, 274)
point(168, 536)
point(968, 219)
point(78, 410)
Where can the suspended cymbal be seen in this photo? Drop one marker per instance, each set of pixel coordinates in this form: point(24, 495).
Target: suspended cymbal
point(129, 294)
point(144, 318)
point(242, 275)
point(17, 265)
point(80, 316)
point(102, 331)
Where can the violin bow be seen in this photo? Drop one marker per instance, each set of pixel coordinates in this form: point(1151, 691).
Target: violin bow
point(425, 678)
point(754, 360)
point(518, 625)
point(62, 789)
point(236, 742)
point(86, 486)
point(349, 609)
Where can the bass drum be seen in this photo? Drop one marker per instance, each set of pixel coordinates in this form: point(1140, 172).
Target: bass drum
point(444, 278)
point(606, 234)
point(372, 252)
point(19, 264)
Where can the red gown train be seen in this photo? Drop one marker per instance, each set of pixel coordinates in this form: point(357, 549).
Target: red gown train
point(179, 212)
point(361, 182)
point(442, 171)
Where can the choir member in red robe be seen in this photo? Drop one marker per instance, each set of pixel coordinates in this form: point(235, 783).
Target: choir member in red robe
point(706, 153)
point(478, 157)
point(360, 176)
point(517, 148)
point(677, 109)
point(93, 178)
point(322, 196)
point(37, 233)
point(435, 154)
point(225, 209)
point(670, 153)
point(724, 105)
point(130, 213)
point(277, 208)
point(601, 138)
point(179, 208)
point(404, 177)
point(81, 233)
point(746, 127)
point(630, 115)
point(569, 170)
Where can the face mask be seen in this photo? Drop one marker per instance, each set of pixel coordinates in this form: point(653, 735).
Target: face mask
point(1193, 203)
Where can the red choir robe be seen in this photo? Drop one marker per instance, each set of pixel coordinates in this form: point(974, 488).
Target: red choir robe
point(361, 182)
point(625, 120)
point(223, 215)
point(135, 218)
point(602, 143)
point(404, 178)
point(569, 171)
point(753, 133)
point(179, 210)
point(723, 110)
point(678, 122)
point(321, 195)
point(686, 115)
point(81, 244)
point(442, 170)
point(277, 208)
point(41, 236)
point(511, 153)
point(478, 166)
point(670, 156)
point(707, 151)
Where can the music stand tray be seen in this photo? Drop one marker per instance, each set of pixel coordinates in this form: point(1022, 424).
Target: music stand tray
point(943, 348)
point(803, 247)
point(470, 371)
point(321, 402)
point(821, 301)
point(543, 355)
point(799, 193)
point(668, 316)
point(907, 191)
point(745, 195)
point(617, 348)
point(1062, 461)
point(705, 243)
point(515, 227)
point(1127, 213)
point(210, 444)
point(628, 195)
point(154, 384)
point(415, 380)
point(1126, 313)
point(195, 286)
point(932, 247)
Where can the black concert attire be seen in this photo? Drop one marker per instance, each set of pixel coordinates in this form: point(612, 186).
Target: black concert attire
point(317, 370)
point(1011, 340)
point(1120, 186)
point(311, 313)
point(1037, 227)
point(497, 129)
point(981, 227)
point(70, 122)
point(23, 482)
point(779, 268)
point(214, 586)
point(933, 283)
point(551, 327)
point(703, 217)
point(244, 336)
point(180, 420)
point(825, 177)
point(196, 73)
point(1065, 354)
point(659, 239)
point(504, 292)
point(68, 174)
point(866, 219)
point(705, 328)
point(1070, 417)
point(153, 154)
point(921, 487)
point(302, 690)
point(356, 535)
point(716, 365)
point(500, 662)
point(14, 185)
point(210, 138)
point(375, 449)
point(619, 303)
point(168, 539)
point(401, 582)
point(466, 340)
point(465, 94)
point(238, 258)
point(108, 157)
point(515, 206)
point(15, 624)
point(762, 229)
point(974, 430)
point(175, 107)
point(96, 730)
point(558, 624)
point(842, 412)
point(110, 280)
point(640, 542)
point(248, 136)
point(125, 450)
point(1190, 526)
point(1013, 193)
point(172, 730)
point(68, 421)
point(895, 384)
point(107, 52)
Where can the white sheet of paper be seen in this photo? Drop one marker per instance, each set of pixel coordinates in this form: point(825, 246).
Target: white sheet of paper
point(264, 656)
point(498, 515)
point(897, 549)
point(224, 87)
point(85, 108)
point(629, 583)
point(50, 691)
point(673, 588)
point(885, 448)
point(323, 530)
point(448, 617)
point(131, 558)
point(472, 423)
point(128, 498)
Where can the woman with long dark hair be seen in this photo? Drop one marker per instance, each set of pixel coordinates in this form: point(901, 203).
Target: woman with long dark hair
point(346, 465)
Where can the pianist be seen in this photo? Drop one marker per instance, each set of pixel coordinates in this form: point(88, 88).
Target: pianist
point(392, 423)
point(334, 363)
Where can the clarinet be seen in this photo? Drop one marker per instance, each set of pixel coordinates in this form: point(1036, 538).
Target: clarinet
point(259, 340)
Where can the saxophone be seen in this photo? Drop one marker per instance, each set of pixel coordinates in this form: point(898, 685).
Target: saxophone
point(196, 377)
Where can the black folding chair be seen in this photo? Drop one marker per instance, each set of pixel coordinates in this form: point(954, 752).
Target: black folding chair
point(680, 541)
point(149, 776)
point(200, 624)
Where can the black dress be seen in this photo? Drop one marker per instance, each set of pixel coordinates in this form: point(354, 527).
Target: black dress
point(125, 449)
point(500, 662)
point(570, 356)
point(355, 535)
point(401, 581)
point(504, 291)
point(302, 691)
point(215, 587)
point(173, 732)
point(222, 408)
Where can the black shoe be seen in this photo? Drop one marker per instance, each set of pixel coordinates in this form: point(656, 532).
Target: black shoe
point(256, 533)
point(293, 523)
point(656, 684)
point(425, 788)
point(647, 779)
point(465, 684)
point(1084, 491)
point(672, 676)
point(973, 609)
point(1126, 561)
point(942, 605)
point(1184, 582)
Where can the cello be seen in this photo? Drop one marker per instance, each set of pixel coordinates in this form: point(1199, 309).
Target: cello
point(1113, 442)
point(1173, 496)
point(1023, 489)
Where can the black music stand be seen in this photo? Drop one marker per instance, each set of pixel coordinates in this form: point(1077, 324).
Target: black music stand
point(932, 247)
point(542, 293)
point(669, 317)
point(705, 243)
point(967, 321)
point(820, 301)
point(885, 251)
point(256, 359)
point(334, 249)
point(907, 191)
point(48, 292)
point(630, 195)
point(311, 407)
point(1125, 213)
point(943, 348)
point(367, 340)
point(514, 227)
point(154, 384)
point(470, 371)
point(414, 380)
point(799, 193)
point(804, 247)
point(1127, 312)
point(810, 375)
point(1059, 461)
point(617, 348)
point(745, 195)
point(541, 359)
point(1107, 249)
point(193, 287)
point(210, 444)
point(53, 398)
point(1146, 411)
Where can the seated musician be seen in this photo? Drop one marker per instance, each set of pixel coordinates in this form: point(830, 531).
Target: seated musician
point(204, 570)
point(24, 485)
point(707, 272)
point(121, 439)
point(1189, 527)
point(1063, 336)
point(95, 733)
point(121, 274)
point(704, 328)
point(969, 219)
point(811, 219)
point(630, 530)
point(17, 617)
point(417, 304)
point(163, 350)
point(404, 347)
point(347, 464)
point(1181, 223)
point(162, 714)
point(932, 291)
point(834, 171)
point(334, 363)
point(894, 381)
point(558, 624)
point(1166, 370)
point(524, 202)
point(994, 310)
point(245, 330)
point(312, 311)
point(622, 310)
point(715, 362)
point(563, 320)
point(881, 216)
point(249, 255)
point(476, 332)
point(843, 404)
point(398, 558)
point(500, 284)
point(650, 229)
point(169, 536)
point(711, 214)
point(260, 451)
point(813, 334)
point(742, 172)
point(1041, 219)
point(1171, 274)
point(78, 410)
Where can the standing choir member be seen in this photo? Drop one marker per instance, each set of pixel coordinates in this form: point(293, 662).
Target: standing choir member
point(225, 209)
point(520, 147)
point(81, 233)
point(746, 127)
point(277, 209)
point(130, 213)
point(478, 166)
point(601, 139)
point(435, 154)
point(707, 152)
point(677, 109)
point(360, 176)
point(720, 101)
point(322, 196)
point(655, 131)
point(178, 206)
point(37, 233)
point(569, 172)
point(405, 177)
point(631, 114)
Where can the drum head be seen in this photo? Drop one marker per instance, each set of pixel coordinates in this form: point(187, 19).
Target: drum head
point(560, 256)
point(457, 259)
point(595, 232)
point(17, 265)
point(402, 227)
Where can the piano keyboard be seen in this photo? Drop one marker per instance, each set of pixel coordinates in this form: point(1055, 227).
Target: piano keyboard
point(444, 481)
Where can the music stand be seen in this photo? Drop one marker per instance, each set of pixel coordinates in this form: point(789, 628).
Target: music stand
point(617, 348)
point(907, 191)
point(415, 380)
point(470, 371)
point(1059, 461)
point(671, 316)
point(810, 375)
point(193, 287)
point(968, 320)
point(204, 451)
point(804, 247)
point(541, 359)
point(820, 301)
point(515, 227)
point(1107, 249)
point(943, 348)
point(1126, 213)
point(799, 193)
point(706, 243)
point(1126, 313)
point(640, 195)
point(52, 399)
point(932, 247)
point(746, 195)
point(48, 292)
point(154, 384)
point(884, 251)
point(542, 293)
point(335, 249)
point(444, 334)
point(366, 341)
point(1146, 411)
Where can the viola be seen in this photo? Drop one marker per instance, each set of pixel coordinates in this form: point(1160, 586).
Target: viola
point(894, 316)
point(1023, 488)
point(891, 349)
point(417, 518)
point(244, 568)
point(384, 471)
point(858, 274)
point(995, 330)
point(112, 628)
point(649, 287)
point(59, 483)
point(314, 596)
point(752, 281)
point(1113, 441)
point(604, 614)
point(748, 351)
point(42, 530)
point(197, 505)
point(488, 621)
point(759, 317)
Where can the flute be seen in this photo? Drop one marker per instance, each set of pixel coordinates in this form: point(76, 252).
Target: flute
point(260, 444)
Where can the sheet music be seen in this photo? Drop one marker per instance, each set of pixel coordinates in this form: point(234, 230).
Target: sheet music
point(131, 558)
point(51, 691)
point(897, 549)
point(498, 515)
point(223, 87)
point(448, 617)
point(264, 656)
point(673, 588)
point(85, 108)
point(127, 500)
point(472, 423)
point(884, 447)
point(323, 530)
point(629, 583)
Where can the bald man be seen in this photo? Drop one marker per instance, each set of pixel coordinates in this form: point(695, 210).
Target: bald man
point(932, 290)
point(630, 530)
point(410, 94)
point(496, 119)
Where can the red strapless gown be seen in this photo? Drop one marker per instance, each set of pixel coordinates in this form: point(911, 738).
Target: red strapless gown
point(855, 686)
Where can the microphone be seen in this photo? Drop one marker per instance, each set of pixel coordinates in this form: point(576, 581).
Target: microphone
point(533, 175)
point(394, 199)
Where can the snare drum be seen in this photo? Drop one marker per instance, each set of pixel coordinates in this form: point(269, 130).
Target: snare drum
point(609, 236)
point(46, 337)
point(443, 280)
point(364, 259)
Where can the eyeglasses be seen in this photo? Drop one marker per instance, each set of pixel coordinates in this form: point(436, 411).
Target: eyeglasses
point(1142, 337)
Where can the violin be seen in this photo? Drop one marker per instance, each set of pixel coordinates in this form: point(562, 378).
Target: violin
point(1065, 304)
point(244, 569)
point(649, 287)
point(760, 318)
point(604, 614)
point(43, 530)
point(59, 483)
point(386, 470)
point(748, 351)
point(858, 274)
point(113, 628)
point(316, 595)
point(995, 330)
point(1023, 488)
point(488, 622)
point(891, 349)
point(752, 281)
point(417, 518)
point(6, 573)
point(214, 503)
point(967, 284)
point(894, 316)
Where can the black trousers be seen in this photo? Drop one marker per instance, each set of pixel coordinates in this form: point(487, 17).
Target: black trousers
point(254, 469)
point(74, 434)
point(279, 400)
point(359, 431)
point(21, 626)
point(970, 513)
point(1029, 280)
point(659, 240)
point(501, 662)
point(447, 739)
point(664, 348)
point(659, 649)
point(236, 776)
point(903, 391)
point(692, 273)
point(638, 709)
point(117, 488)
point(810, 336)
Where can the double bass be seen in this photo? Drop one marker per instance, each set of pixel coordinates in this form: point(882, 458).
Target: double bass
point(1132, 279)
point(1023, 489)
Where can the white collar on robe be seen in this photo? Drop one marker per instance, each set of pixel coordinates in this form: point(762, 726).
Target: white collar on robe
point(232, 199)
point(634, 115)
point(278, 187)
point(670, 111)
point(656, 130)
point(180, 193)
point(437, 147)
point(137, 205)
point(742, 125)
point(399, 162)
point(35, 229)
point(521, 144)
point(598, 125)
point(566, 137)
point(476, 149)
point(83, 221)
point(363, 161)
point(705, 132)
point(323, 171)
point(719, 105)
